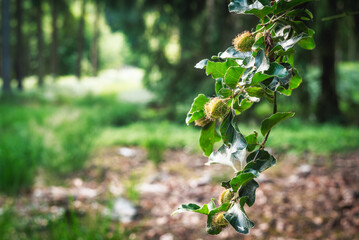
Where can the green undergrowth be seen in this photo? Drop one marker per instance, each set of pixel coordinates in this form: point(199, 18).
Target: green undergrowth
point(314, 138)
point(144, 134)
point(59, 135)
point(70, 225)
point(294, 137)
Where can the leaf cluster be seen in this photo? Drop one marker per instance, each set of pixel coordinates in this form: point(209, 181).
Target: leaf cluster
point(242, 79)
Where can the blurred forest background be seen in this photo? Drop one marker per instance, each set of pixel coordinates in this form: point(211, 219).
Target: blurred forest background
point(89, 84)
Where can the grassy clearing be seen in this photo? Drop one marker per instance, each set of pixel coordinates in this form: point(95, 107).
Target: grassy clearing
point(59, 136)
point(314, 138)
point(55, 135)
point(139, 134)
point(295, 137)
point(58, 127)
point(70, 225)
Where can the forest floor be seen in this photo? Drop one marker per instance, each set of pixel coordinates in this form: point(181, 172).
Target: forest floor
point(295, 199)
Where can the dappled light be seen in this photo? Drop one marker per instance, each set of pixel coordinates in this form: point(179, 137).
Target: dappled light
point(112, 111)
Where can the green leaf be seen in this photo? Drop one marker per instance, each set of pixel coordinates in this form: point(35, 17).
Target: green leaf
point(282, 81)
point(218, 69)
point(242, 106)
point(236, 151)
point(197, 108)
point(232, 76)
point(259, 154)
point(225, 92)
point(226, 129)
point(259, 77)
point(252, 141)
point(269, 123)
point(288, 44)
point(239, 219)
point(208, 138)
point(201, 64)
point(295, 81)
point(233, 53)
point(257, 8)
point(241, 179)
point(226, 184)
point(262, 61)
point(191, 207)
point(269, 96)
point(211, 205)
point(307, 43)
point(255, 91)
point(258, 162)
point(290, 59)
point(218, 85)
point(259, 44)
point(303, 14)
point(198, 103)
point(194, 116)
point(282, 6)
point(249, 190)
point(275, 70)
point(249, 62)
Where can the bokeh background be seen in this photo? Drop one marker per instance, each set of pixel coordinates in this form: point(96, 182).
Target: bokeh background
point(93, 142)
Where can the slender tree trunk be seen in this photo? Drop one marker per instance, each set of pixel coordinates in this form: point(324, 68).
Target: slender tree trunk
point(210, 34)
point(328, 107)
point(6, 61)
point(54, 44)
point(40, 43)
point(80, 40)
point(356, 29)
point(19, 45)
point(94, 49)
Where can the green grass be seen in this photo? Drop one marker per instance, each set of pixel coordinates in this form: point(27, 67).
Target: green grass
point(138, 134)
point(20, 156)
point(69, 226)
point(20, 147)
point(58, 127)
point(295, 136)
point(314, 138)
point(57, 136)
point(155, 149)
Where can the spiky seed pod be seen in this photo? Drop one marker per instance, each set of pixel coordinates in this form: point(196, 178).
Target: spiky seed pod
point(218, 220)
point(214, 230)
point(216, 108)
point(225, 197)
point(202, 122)
point(243, 42)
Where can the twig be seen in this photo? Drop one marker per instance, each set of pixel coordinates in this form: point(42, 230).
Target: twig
point(345, 14)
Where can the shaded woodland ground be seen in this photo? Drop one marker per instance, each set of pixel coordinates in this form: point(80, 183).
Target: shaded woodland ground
point(101, 157)
point(94, 166)
point(295, 200)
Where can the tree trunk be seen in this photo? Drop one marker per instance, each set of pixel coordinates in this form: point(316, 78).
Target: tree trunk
point(40, 43)
point(80, 40)
point(94, 49)
point(356, 30)
point(327, 107)
point(6, 61)
point(19, 45)
point(54, 38)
